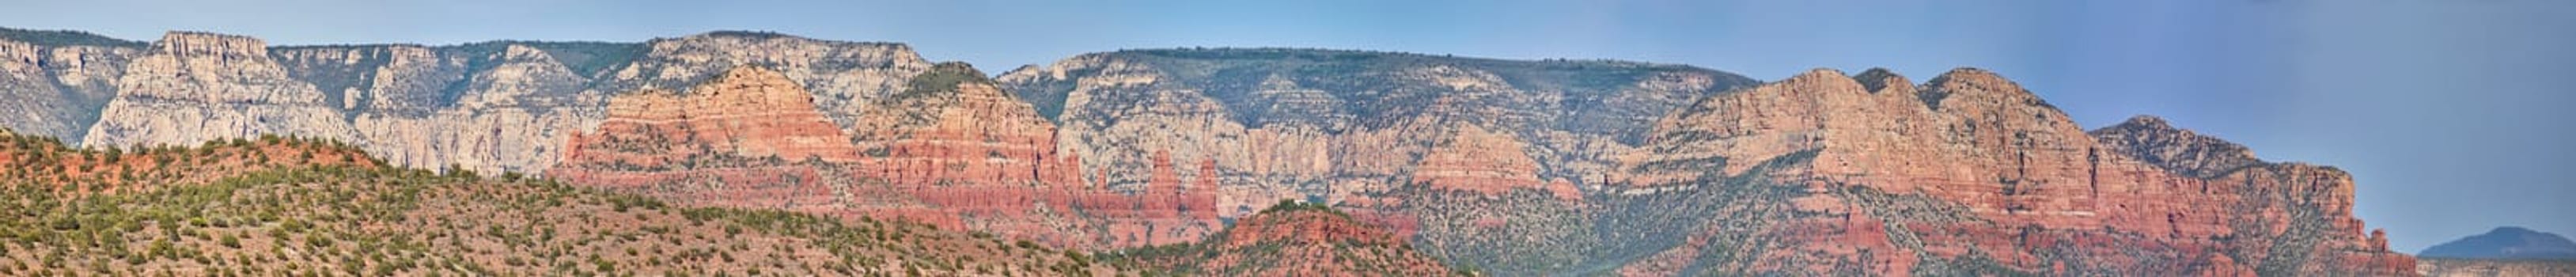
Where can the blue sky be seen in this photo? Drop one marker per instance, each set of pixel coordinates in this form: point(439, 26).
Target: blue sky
point(2447, 112)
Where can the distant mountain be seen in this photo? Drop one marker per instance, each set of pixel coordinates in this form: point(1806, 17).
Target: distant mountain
point(2506, 243)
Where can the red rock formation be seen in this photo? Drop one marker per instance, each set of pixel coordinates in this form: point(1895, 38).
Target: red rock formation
point(952, 152)
point(1479, 161)
point(728, 142)
point(2042, 193)
point(748, 112)
point(964, 147)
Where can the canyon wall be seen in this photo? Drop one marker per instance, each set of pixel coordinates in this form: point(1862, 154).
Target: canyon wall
point(1513, 167)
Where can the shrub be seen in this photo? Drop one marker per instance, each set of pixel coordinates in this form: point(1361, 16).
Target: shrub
point(318, 241)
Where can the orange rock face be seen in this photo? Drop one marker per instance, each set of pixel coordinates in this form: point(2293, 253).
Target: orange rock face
point(1970, 169)
point(985, 159)
point(953, 152)
point(732, 141)
point(747, 112)
point(1484, 162)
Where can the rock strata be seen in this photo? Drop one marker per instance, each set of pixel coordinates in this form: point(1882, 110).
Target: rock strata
point(951, 151)
point(1970, 171)
point(736, 141)
point(192, 87)
point(1340, 125)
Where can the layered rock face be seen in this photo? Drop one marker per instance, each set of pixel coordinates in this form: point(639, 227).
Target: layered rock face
point(951, 151)
point(503, 106)
point(1298, 124)
point(987, 161)
point(493, 106)
point(1515, 167)
point(1484, 162)
point(840, 74)
point(194, 87)
point(52, 83)
point(733, 141)
point(1969, 173)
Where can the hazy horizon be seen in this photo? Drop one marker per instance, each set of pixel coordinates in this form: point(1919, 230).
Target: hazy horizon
point(2440, 109)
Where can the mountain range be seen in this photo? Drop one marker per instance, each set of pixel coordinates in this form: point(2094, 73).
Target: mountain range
point(2504, 251)
point(1506, 167)
point(2506, 243)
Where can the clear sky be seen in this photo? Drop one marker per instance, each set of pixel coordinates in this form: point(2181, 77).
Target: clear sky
point(2446, 111)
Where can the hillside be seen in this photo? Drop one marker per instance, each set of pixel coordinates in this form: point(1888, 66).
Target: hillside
point(1289, 239)
point(363, 219)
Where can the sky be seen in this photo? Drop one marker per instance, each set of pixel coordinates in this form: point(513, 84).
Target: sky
point(2445, 111)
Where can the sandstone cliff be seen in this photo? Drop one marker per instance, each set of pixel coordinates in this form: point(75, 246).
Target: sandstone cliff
point(192, 87)
point(950, 150)
point(53, 83)
point(491, 106)
point(1517, 167)
point(1969, 173)
point(1325, 124)
point(736, 140)
point(988, 160)
point(839, 74)
point(503, 106)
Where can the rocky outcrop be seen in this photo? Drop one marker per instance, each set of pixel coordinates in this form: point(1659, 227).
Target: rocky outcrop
point(750, 138)
point(951, 151)
point(841, 75)
point(989, 162)
point(1484, 162)
point(1969, 173)
point(52, 83)
point(511, 110)
point(1518, 167)
point(192, 87)
point(492, 106)
point(951, 125)
point(2152, 141)
point(502, 106)
point(733, 142)
point(1335, 125)
point(1291, 240)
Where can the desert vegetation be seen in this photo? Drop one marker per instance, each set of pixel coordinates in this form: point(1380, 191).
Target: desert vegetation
point(250, 208)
